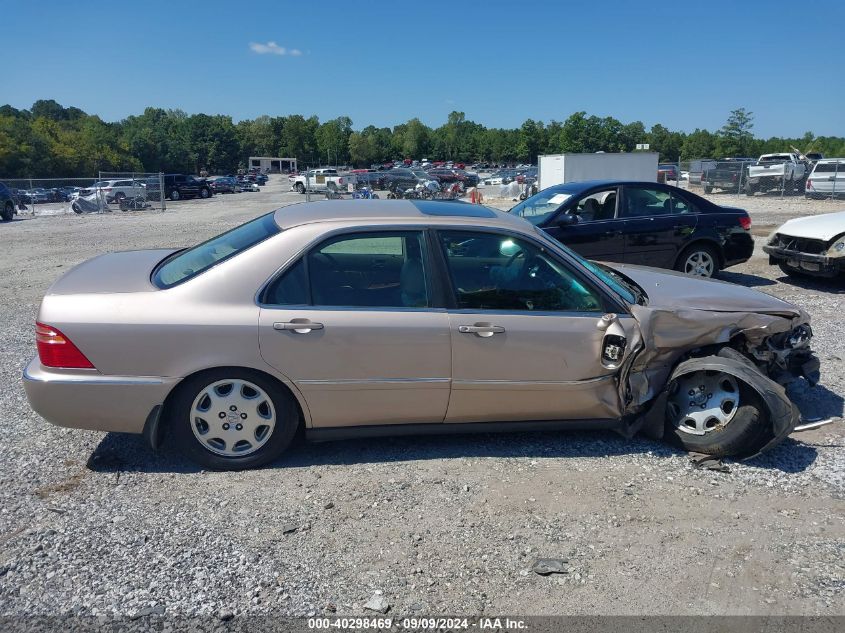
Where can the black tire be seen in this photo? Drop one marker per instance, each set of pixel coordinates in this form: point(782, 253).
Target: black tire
point(749, 190)
point(174, 195)
point(689, 251)
point(76, 208)
point(744, 435)
point(179, 414)
point(708, 189)
point(205, 192)
point(300, 188)
point(8, 211)
point(119, 196)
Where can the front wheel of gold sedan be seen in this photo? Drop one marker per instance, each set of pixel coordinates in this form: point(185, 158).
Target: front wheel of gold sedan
point(233, 419)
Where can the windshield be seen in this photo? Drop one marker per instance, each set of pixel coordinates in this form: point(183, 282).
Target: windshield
point(421, 174)
point(541, 206)
point(188, 263)
point(628, 291)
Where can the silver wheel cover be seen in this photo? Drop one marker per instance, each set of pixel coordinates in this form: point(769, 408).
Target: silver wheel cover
point(700, 264)
point(703, 402)
point(232, 417)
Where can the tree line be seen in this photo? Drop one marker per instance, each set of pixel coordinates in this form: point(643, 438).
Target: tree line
point(52, 141)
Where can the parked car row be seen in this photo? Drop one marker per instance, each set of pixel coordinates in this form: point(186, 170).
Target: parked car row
point(234, 184)
point(787, 172)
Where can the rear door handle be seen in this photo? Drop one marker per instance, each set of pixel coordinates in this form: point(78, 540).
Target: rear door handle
point(481, 330)
point(300, 327)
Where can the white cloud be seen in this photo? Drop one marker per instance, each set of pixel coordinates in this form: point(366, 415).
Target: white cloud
point(271, 48)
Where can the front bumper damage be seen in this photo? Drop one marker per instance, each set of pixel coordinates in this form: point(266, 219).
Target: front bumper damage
point(807, 263)
point(765, 351)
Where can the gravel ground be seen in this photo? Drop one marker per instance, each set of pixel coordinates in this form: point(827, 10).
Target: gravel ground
point(94, 523)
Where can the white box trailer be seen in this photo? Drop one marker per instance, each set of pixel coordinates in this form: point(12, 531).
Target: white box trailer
point(556, 169)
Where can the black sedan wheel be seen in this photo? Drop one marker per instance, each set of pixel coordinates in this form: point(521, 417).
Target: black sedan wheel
point(8, 211)
point(699, 261)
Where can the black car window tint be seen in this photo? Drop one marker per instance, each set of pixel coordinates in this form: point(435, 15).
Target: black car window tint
point(645, 202)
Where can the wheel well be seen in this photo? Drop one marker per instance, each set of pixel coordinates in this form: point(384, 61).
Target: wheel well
point(699, 242)
point(168, 401)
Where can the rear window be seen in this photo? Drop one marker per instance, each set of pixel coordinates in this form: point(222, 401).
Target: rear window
point(189, 263)
point(830, 167)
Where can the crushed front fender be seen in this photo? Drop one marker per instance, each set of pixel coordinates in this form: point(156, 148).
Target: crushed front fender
point(782, 415)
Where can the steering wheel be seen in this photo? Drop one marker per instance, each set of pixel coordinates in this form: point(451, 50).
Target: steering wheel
point(512, 259)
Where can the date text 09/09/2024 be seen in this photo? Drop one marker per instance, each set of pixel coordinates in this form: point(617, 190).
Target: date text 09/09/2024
point(420, 623)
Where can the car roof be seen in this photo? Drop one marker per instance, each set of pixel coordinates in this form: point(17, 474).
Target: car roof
point(360, 212)
point(582, 185)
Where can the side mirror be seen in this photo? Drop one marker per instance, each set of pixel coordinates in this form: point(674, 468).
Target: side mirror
point(567, 219)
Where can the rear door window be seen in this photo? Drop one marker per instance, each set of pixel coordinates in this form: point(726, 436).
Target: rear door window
point(645, 202)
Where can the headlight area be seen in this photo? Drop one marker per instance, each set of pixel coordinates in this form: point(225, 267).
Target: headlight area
point(787, 355)
point(836, 248)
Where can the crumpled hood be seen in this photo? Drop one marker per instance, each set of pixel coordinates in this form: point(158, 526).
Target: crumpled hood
point(676, 291)
point(819, 227)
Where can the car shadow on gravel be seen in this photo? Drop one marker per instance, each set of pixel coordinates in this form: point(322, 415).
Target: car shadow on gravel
point(744, 279)
point(129, 453)
point(835, 285)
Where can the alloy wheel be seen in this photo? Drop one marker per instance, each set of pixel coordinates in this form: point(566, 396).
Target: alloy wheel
point(232, 417)
point(700, 264)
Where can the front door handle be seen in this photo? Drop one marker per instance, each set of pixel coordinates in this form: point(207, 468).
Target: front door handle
point(301, 326)
point(483, 330)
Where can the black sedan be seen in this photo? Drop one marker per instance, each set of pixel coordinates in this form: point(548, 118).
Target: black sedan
point(642, 223)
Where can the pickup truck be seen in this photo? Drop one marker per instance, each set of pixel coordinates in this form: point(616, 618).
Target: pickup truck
point(326, 179)
point(776, 172)
point(725, 175)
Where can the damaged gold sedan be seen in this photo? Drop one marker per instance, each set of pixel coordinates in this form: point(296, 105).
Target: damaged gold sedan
point(367, 318)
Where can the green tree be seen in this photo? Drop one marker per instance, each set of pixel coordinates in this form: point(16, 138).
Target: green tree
point(735, 135)
point(332, 140)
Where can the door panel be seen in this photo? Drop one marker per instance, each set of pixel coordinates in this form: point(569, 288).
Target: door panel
point(525, 338)
point(364, 366)
point(540, 367)
point(350, 325)
point(597, 232)
point(656, 225)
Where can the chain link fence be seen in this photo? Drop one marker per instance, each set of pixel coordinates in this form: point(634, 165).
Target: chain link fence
point(132, 190)
point(110, 192)
point(776, 176)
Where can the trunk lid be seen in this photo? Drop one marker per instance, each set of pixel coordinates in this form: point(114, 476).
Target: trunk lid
point(127, 271)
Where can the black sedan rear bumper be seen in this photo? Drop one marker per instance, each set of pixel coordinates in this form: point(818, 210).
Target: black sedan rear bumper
point(808, 263)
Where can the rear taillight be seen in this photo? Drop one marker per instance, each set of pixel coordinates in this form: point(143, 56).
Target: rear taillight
point(809, 184)
point(56, 350)
point(745, 222)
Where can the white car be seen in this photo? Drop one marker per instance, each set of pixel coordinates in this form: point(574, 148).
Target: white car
point(116, 190)
point(827, 180)
point(813, 245)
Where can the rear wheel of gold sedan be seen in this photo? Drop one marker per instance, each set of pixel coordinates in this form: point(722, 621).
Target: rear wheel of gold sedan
point(233, 419)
